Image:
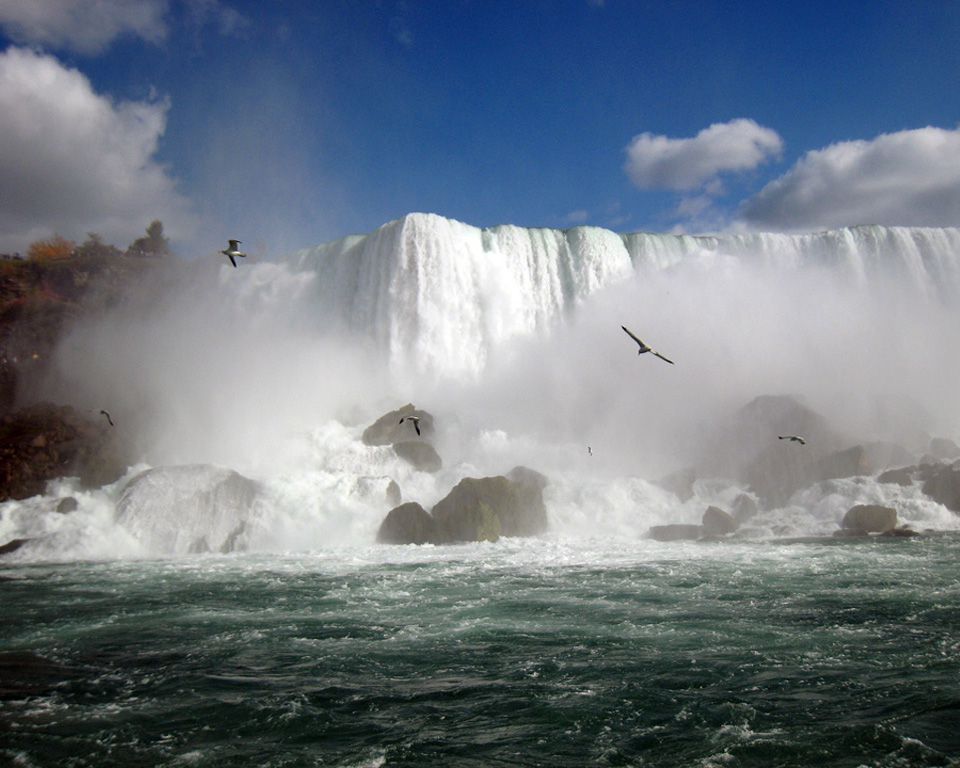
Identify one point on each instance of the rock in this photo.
(680, 483)
(743, 508)
(408, 524)
(901, 532)
(675, 532)
(394, 497)
(943, 485)
(388, 430)
(901, 476)
(850, 533)
(870, 518)
(12, 546)
(419, 455)
(486, 508)
(717, 522)
(186, 509)
(43, 442)
(942, 448)
(66, 505)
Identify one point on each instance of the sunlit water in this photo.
(550, 652)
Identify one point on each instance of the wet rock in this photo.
(870, 518)
(486, 508)
(388, 430)
(675, 532)
(67, 505)
(408, 524)
(43, 442)
(942, 484)
(394, 497)
(900, 532)
(191, 508)
(900, 476)
(718, 522)
(12, 546)
(943, 448)
(419, 455)
(744, 507)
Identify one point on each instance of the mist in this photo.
(234, 367)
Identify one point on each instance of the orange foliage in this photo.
(53, 249)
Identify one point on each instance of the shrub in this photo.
(52, 249)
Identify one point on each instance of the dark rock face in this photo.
(743, 508)
(901, 476)
(717, 522)
(675, 532)
(388, 430)
(870, 518)
(43, 442)
(12, 546)
(477, 509)
(942, 448)
(408, 524)
(67, 505)
(680, 483)
(942, 484)
(419, 455)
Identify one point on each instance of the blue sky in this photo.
(287, 124)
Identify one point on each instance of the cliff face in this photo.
(38, 301)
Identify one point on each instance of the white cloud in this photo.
(659, 162)
(73, 161)
(909, 178)
(579, 216)
(85, 26)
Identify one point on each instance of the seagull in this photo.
(109, 420)
(414, 419)
(643, 347)
(792, 438)
(590, 450)
(232, 250)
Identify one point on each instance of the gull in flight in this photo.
(109, 420)
(792, 438)
(643, 347)
(232, 250)
(414, 419)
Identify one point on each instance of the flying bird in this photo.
(792, 438)
(232, 250)
(589, 450)
(109, 420)
(645, 348)
(414, 419)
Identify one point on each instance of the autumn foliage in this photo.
(52, 249)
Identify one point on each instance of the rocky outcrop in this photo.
(188, 509)
(743, 508)
(680, 483)
(388, 430)
(870, 518)
(43, 442)
(675, 532)
(408, 524)
(943, 448)
(476, 509)
(942, 484)
(12, 546)
(718, 522)
(419, 455)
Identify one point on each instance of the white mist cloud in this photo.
(84, 26)
(74, 161)
(660, 162)
(908, 178)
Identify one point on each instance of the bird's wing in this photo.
(416, 426)
(662, 357)
(402, 420)
(232, 260)
(632, 336)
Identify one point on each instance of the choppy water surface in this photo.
(529, 652)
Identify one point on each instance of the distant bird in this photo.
(232, 250)
(792, 438)
(414, 419)
(590, 450)
(109, 420)
(643, 347)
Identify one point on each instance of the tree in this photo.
(51, 249)
(94, 247)
(154, 244)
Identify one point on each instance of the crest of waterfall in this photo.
(438, 296)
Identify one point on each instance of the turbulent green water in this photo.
(521, 653)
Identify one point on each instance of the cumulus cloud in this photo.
(909, 178)
(84, 26)
(73, 161)
(659, 162)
